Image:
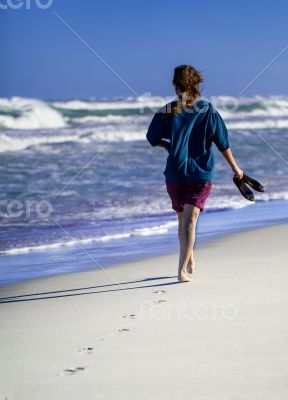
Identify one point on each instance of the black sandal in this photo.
(244, 190)
(253, 183)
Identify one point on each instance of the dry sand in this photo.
(132, 332)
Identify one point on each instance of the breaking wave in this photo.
(27, 114)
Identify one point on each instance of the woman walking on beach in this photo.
(191, 124)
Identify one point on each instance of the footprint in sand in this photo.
(123, 330)
(85, 350)
(159, 291)
(131, 316)
(71, 371)
(116, 330)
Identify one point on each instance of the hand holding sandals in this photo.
(238, 172)
(240, 179)
(243, 188)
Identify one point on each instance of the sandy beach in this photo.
(131, 331)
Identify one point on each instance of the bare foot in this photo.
(183, 277)
(191, 266)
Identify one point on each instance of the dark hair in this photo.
(186, 80)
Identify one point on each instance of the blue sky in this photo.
(229, 42)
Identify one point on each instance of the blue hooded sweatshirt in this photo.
(191, 133)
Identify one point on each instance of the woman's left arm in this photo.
(221, 139)
(231, 161)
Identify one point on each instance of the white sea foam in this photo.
(239, 113)
(116, 134)
(128, 103)
(15, 143)
(154, 230)
(92, 119)
(214, 203)
(254, 106)
(17, 140)
(258, 124)
(29, 114)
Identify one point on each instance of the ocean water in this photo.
(80, 173)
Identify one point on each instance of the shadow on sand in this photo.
(56, 294)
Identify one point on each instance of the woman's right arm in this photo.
(157, 131)
(165, 145)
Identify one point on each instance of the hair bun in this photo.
(187, 79)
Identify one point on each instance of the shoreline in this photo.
(219, 225)
(199, 246)
(97, 331)
(129, 265)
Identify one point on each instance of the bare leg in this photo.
(191, 262)
(189, 221)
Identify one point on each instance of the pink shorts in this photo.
(188, 193)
